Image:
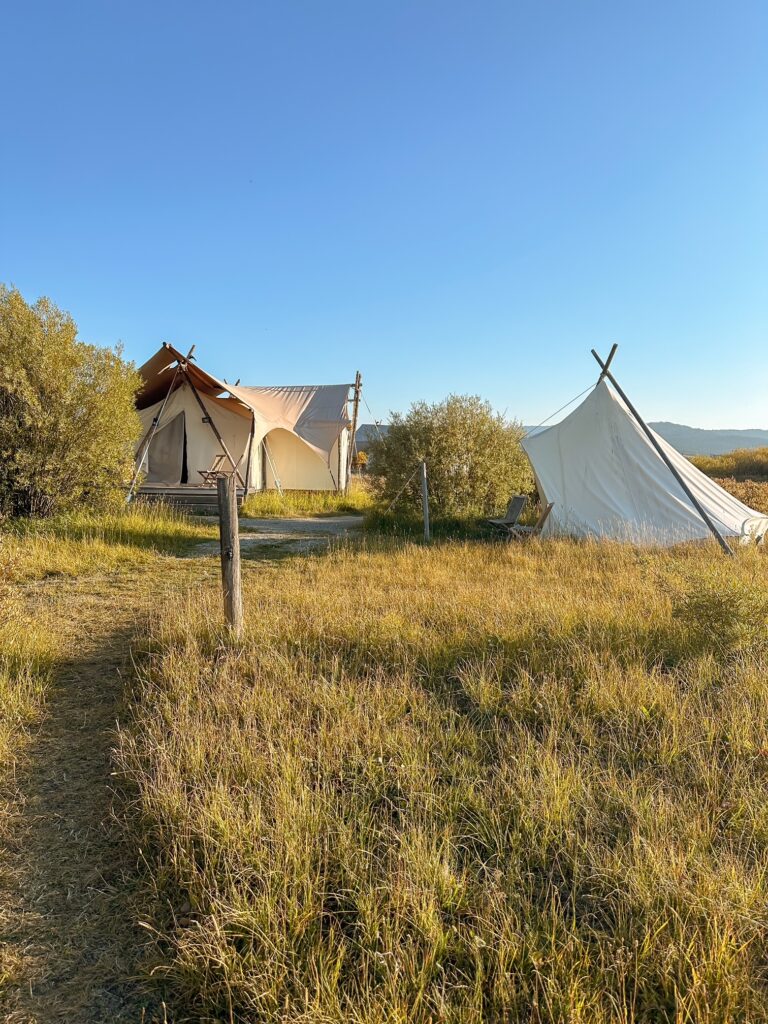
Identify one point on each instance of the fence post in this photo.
(425, 499)
(229, 538)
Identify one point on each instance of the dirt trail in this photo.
(69, 921)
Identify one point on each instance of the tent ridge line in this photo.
(660, 451)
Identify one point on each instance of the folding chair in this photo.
(514, 510)
(524, 532)
(210, 476)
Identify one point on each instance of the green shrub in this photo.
(473, 455)
(68, 423)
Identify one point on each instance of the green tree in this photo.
(68, 423)
(473, 455)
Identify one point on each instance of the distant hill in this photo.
(687, 440)
(695, 441)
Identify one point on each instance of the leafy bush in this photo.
(68, 424)
(473, 455)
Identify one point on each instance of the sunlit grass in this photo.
(268, 504)
(474, 783)
(742, 464)
(751, 492)
(85, 542)
(31, 631)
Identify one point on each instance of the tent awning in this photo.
(315, 413)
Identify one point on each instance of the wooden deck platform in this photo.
(200, 498)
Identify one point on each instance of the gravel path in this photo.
(291, 536)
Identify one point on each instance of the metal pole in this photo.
(230, 554)
(661, 453)
(425, 500)
(275, 477)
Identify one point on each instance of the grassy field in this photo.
(466, 783)
(268, 504)
(36, 636)
(742, 464)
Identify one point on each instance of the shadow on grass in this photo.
(71, 911)
(155, 528)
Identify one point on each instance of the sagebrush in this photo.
(68, 423)
(475, 462)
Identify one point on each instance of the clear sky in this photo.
(453, 197)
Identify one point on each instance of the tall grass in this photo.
(86, 542)
(475, 783)
(752, 492)
(31, 628)
(268, 504)
(741, 464)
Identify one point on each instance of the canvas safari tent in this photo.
(607, 478)
(289, 438)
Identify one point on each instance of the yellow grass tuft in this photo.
(268, 504)
(742, 464)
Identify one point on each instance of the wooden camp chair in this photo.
(210, 476)
(514, 510)
(525, 532)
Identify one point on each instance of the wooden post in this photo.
(425, 500)
(230, 554)
(358, 386)
(661, 453)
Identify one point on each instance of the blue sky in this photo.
(453, 197)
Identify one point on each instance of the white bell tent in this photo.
(609, 475)
(289, 438)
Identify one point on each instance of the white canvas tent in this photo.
(285, 437)
(606, 479)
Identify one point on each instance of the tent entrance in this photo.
(167, 455)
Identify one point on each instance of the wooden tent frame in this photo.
(183, 367)
(606, 372)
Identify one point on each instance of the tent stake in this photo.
(660, 451)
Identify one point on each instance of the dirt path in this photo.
(288, 536)
(68, 915)
(68, 919)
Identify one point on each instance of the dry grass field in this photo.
(268, 504)
(742, 464)
(71, 591)
(467, 782)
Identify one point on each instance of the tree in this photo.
(68, 422)
(473, 455)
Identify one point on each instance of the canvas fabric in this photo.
(304, 427)
(606, 479)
